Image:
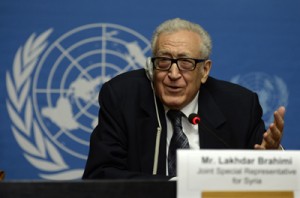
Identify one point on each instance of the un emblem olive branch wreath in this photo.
(38, 150)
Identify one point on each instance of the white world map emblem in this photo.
(271, 90)
(54, 93)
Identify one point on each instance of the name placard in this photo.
(237, 171)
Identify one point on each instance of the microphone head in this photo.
(194, 118)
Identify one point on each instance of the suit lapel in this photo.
(211, 117)
(147, 131)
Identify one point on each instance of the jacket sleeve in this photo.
(257, 126)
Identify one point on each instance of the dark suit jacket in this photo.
(122, 145)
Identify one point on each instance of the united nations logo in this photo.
(53, 91)
(271, 90)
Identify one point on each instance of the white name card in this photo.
(236, 170)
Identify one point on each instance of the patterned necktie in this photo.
(178, 140)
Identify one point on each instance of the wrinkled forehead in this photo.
(178, 44)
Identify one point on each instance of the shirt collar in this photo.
(191, 107)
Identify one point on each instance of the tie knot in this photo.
(175, 117)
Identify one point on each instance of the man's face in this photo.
(177, 88)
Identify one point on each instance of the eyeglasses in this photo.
(183, 64)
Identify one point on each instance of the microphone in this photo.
(195, 119)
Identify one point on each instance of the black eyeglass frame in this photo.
(175, 60)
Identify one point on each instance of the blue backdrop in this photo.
(55, 55)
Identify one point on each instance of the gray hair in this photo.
(174, 25)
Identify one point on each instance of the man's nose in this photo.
(174, 71)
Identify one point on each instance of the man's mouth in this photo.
(173, 88)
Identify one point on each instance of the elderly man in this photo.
(144, 114)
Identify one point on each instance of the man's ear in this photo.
(206, 69)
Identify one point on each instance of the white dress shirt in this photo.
(190, 130)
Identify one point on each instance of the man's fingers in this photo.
(275, 133)
(272, 137)
(258, 147)
(281, 111)
(278, 120)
